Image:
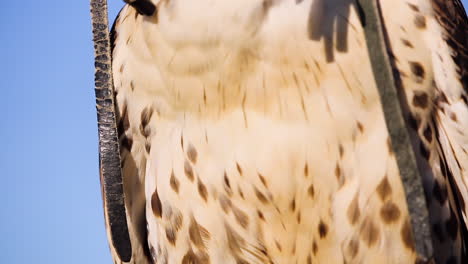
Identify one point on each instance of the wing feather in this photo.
(451, 108)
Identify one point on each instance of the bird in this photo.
(252, 131)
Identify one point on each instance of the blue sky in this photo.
(51, 196)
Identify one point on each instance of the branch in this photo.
(109, 152)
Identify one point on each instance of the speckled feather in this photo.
(251, 131)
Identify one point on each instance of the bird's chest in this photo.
(249, 135)
(246, 173)
(263, 56)
(255, 103)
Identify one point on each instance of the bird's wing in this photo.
(451, 105)
(430, 55)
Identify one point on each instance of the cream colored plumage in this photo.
(252, 132)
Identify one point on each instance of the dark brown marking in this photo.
(306, 170)
(369, 232)
(156, 204)
(360, 127)
(309, 259)
(145, 117)
(413, 7)
(420, 99)
(407, 235)
(384, 190)
(260, 215)
(453, 116)
(241, 217)
(148, 147)
(204, 95)
(418, 70)
(260, 196)
(298, 217)
(338, 171)
(441, 98)
(192, 153)
(226, 180)
(202, 190)
(225, 203)
(262, 179)
(278, 245)
(322, 229)
(177, 221)
(407, 43)
(420, 21)
(198, 234)
(266, 5)
(311, 191)
(428, 134)
(126, 143)
(235, 241)
(239, 169)
(314, 248)
(389, 146)
(353, 211)
(227, 184)
(174, 182)
(389, 212)
(339, 175)
(341, 150)
(171, 236)
(317, 64)
(241, 193)
(190, 258)
(124, 122)
(292, 206)
(188, 170)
